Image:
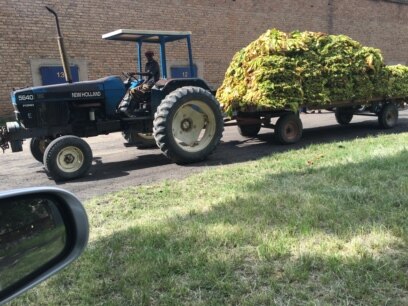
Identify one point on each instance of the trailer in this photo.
(182, 117)
(288, 127)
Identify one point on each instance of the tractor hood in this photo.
(80, 91)
(107, 91)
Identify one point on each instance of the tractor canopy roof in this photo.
(154, 37)
(149, 36)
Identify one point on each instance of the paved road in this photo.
(115, 166)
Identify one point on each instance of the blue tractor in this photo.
(180, 116)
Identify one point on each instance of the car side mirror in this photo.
(42, 230)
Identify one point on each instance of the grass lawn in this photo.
(323, 225)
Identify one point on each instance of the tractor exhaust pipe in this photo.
(63, 54)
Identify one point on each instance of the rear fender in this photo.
(163, 87)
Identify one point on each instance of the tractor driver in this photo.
(152, 71)
(152, 68)
(141, 93)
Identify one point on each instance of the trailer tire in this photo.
(249, 130)
(67, 157)
(188, 124)
(38, 146)
(288, 129)
(388, 116)
(343, 115)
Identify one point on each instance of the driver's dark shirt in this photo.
(153, 67)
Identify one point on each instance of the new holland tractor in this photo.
(180, 116)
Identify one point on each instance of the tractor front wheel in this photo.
(67, 157)
(188, 125)
(38, 146)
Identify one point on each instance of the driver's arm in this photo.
(138, 73)
(152, 68)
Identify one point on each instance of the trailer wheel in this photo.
(289, 129)
(38, 146)
(388, 116)
(249, 130)
(343, 115)
(188, 125)
(139, 140)
(67, 157)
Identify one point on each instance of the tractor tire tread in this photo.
(51, 153)
(163, 134)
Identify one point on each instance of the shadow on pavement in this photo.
(237, 151)
(105, 171)
(265, 144)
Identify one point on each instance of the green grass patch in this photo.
(322, 225)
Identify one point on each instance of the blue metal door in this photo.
(183, 72)
(55, 74)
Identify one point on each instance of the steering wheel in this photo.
(129, 75)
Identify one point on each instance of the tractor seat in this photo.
(161, 83)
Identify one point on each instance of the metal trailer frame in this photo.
(247, 116)
(288, 128)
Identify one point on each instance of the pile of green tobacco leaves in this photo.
(287, 70)
(397, 80)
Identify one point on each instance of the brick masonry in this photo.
(219, 29)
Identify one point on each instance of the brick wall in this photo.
(219, 29)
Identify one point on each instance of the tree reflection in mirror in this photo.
(32, 234)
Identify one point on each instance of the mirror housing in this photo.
(42, 230)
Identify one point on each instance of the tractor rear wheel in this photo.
(188, 125)
(289, 129)
(388, 116)
(38, 146)
(67, 157)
